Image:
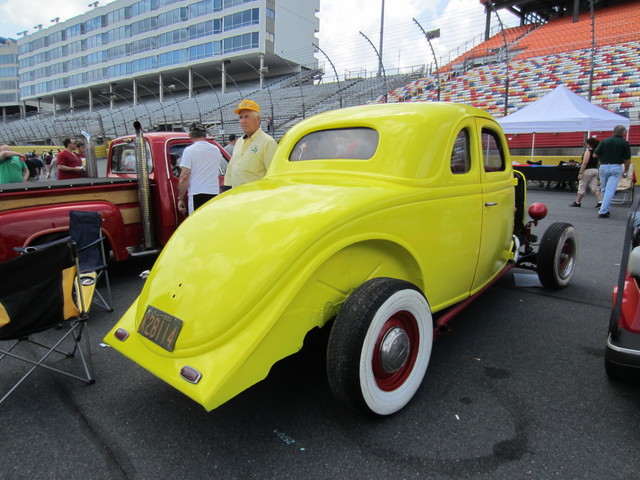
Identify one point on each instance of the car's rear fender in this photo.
(307, 300)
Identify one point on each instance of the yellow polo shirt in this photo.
(251, 158)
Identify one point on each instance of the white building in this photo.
(9, 95)
(140, 48)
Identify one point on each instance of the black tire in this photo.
(557, 255)
(379, 346)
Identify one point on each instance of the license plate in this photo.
(160, 327)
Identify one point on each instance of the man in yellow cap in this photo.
(253, 152)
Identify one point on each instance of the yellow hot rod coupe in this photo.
(380, 221)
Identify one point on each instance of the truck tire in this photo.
(379, 346)
(557, 255)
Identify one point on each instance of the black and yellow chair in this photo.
(44, 302)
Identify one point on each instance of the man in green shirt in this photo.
(12, 168)
(614, 156)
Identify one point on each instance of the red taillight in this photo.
(190, 374)
(121, 334)
(538, 211)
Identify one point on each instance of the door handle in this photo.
(490, 204)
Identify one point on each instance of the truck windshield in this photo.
(123, 158)
(340, 143)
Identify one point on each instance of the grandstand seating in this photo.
(540, 58)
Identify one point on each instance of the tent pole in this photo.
(533, 142)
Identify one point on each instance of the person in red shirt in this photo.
(69, 163)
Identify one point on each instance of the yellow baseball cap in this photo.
(247, 105)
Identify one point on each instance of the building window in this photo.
(172, 58)
(74, 31)
(9, 72)
(94, 23)
(119, 70)
(203, 7)
(143, 26)
(204, 50)
(241, 19)
(143, 64)
(171, 38)
(172, 17)
(240, 42)
(205, 28)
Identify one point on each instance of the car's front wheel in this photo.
(557, 255)
(380, 345)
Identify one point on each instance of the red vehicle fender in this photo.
(34, 225)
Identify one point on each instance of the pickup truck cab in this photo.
(380, 222)
(34, 213)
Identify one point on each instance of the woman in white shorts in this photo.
(588, 174)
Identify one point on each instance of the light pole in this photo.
(304, 109)
(380, 67)
(227, 74)
(430, 35)
(273, 116)
(124, 120)
(506, 59)
(593, 49)
(113, 122)
(192, 96)
(335, 72)
(384, 73)
(144, 105)
(171, 88)
(98, 116)
(164, 114)
(213, 90)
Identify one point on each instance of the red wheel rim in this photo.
(386, 381)
(566, 258)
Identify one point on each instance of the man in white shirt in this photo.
(199, 176)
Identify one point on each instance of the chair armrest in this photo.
(89, 245)
(35, 248)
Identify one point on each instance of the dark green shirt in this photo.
(613, 150)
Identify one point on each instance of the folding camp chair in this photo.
(626, 186)
(85, 229)
(44, 291)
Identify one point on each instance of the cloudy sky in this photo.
(341, 21)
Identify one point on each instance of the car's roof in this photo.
(410, 135)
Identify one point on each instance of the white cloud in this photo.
(19, 15)
(340, 24)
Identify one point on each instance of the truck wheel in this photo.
(557, 255)
(379, 346)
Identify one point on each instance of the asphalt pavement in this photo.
(517, 390)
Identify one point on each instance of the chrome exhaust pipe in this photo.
(144, 190)
(92, 161)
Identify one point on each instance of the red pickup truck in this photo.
(136, 220)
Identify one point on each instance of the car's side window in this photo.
(492, 152)
(461, 155)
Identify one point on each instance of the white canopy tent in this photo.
(561, 110)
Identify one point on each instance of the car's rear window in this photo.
(339, 143)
